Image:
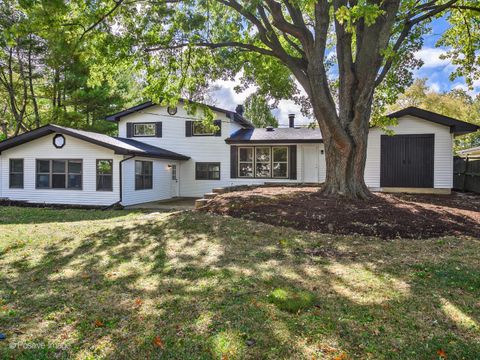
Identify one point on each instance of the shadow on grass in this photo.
(197, 286)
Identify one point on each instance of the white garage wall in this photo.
(74, 149)
(443, 157)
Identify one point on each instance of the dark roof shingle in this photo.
(275, 135)
(119, 145)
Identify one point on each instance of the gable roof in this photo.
(457, 127)
(230, 114)
(275, 135)
(121, 146)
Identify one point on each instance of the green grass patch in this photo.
(291, 300)
(131, 285)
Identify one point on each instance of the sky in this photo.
(436, 70)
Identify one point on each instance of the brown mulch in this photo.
(383, 215)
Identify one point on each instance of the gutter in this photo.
(120, 182)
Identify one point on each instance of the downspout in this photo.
(120, 182)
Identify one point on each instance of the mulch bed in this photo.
(383, 215)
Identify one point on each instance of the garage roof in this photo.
(457, 127)
(119, 145)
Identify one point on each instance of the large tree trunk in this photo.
(345, 136)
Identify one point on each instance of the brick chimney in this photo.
(291, 120)
(240, 109)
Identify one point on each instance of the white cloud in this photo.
(435, 87)
(226, 97)
(431, 57)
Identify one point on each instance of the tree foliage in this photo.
(259, 111)
(45, 73)
(456, 103)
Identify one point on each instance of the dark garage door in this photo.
(407, 161)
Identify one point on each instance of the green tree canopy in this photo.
(259, 112)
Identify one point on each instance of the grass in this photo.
(117, 285)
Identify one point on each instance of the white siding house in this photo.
(163, 153)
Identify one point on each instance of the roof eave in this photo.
(276, 141)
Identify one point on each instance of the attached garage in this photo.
(407, 161)
(418, 157)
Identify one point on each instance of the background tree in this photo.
(46, 68)
(456, 103)
(259, 111)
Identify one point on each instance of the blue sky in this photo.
(436, 70)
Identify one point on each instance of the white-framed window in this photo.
(200, 129)
(59, 174)
(280, 161)
(263, 162)
(144, 129)
(245, 162)
(16, 174)
(143, 175)
(207, 171)
(105, 175)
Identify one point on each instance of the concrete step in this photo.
(200, 202)
(210, 195)
(219, 191)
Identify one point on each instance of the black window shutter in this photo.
(129, 130)
(218, 124)
(188, 128)
(158, 129)
(293, 161)
(233, 161)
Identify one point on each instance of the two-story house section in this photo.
(163, 152)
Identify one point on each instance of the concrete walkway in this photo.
(166, 205)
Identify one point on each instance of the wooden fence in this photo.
(466, 174)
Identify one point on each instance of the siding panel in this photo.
(74, 149)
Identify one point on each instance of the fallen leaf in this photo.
(138, 302)
(442, 353)
(157, 341)
(98, 323)
(342, 356)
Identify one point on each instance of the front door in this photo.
(310, 163)
(174, 184)
(407, 161)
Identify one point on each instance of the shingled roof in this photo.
(275, 135)
(121, 146)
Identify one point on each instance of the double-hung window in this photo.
(263, 162)
(245, 163)
(280, 162)
(16, 174)
(104, 175)
(144, 129)
(143, 175)
(199, 128)
(59, 174)
(207, 171)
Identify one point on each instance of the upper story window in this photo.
(145, 129)
(200, 129)
(16, 173)
(59, 174)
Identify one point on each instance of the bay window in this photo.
(263, 162)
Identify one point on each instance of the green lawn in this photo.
(110, 284)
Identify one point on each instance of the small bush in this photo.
(291, 300)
